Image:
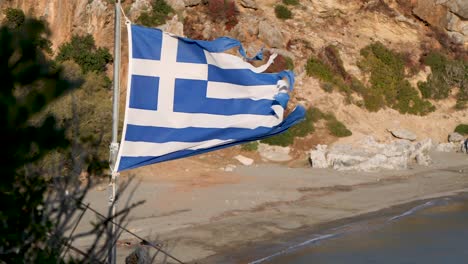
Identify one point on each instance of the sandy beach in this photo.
(205, 215)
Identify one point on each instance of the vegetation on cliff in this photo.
(447, 73)
(157, 15)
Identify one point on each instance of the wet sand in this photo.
(214, 216)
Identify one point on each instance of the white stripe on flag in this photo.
(228, 61)
(139, 149)
(193, 71)
(232, 91)
(182, 120)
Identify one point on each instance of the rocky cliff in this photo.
(402, 25)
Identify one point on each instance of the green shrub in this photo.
(462, 129)
(251, 146)
(327, 75)
(446, 74)
(388, 84)
(83, 51)
(319, 70)
(158, 14)
(291, 2)
(14, 18)
(337, 128)
(282, 12)
(299, 130)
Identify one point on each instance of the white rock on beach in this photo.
(455, 137)
(274, 153)
(244, 160)
(445, 147)
(229, 168)
(421, 152)
(403, 134)
(317, 157)
(370, 155)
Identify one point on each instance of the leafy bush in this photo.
(337, 128)
(299, 130)
(83, 51)
(326, 73)
(446, 74)
(158, 14)
(92, 118)
(29, 83)
(14, 17)
(388, 84)
(462, 129)
(291, 2)
(251, 146)
(282, 12)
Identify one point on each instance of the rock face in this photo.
(371, 155)
(455, 137)
(270, 35)
(403, 134)
(451, 15)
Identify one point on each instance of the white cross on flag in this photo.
(186, 97)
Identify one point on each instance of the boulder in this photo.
(249, 4)
(421, 152)
(274, 153)
(192, 2)
(423, 159)
(244, 160)
(403, 134)
(317, 157)
(370, 155)
(177, 5)
(455, 137)
(445, 147)
(270, 35)
(174, 26)
(229, 168)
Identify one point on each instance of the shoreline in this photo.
(210, 216)
(307, 236)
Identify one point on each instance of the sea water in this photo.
(434, 231)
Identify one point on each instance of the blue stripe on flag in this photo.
(134, 162)
(144, 92)
(190, 52)
(241, 76)
(146, 43)
(190, 97)
(189, 134)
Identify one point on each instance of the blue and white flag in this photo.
(187, 97)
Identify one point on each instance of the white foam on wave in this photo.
(412, 210)
(282, 252)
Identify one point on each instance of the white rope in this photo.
(127, 21)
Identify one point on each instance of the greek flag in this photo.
(186, 97)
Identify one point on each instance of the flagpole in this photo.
(114, 147)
